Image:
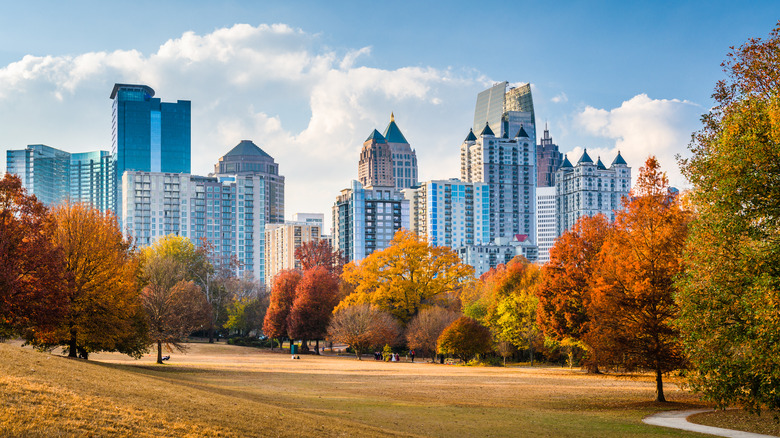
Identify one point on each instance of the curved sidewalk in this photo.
(679, 420)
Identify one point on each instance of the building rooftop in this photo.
(393, 133)
(487, 130)
(376, 136)
(246, 149)
(471, 136)
(585, 158)
(145, 88)
(521, 133)
(619, 160)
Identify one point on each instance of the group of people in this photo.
(394, 357)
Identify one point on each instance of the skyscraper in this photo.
(93, 179)
(375, 168)
(44, 172)
(590, 188)
(548, 160)
(508, 167)
(149, 135)
(403, 156)
(506, 110)
(246, 158)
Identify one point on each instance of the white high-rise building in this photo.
(281, 241)
(508, 167)
(589, 188)
(450, 212)
(546, 223)
(227, 211)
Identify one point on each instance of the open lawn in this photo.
(221, 390)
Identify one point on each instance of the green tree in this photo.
(464, 339)
(405, 277)
(730, 293)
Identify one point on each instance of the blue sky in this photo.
(308, 81)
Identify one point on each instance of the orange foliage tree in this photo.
(102, 271)
(464, 339)
(320, 253)
(281, 301)
(565, 290)
(315, 297)
(31, 297)
(633, 305)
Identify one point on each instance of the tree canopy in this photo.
(362, 326)
(732, 254)
(406, 276)
(464, 339)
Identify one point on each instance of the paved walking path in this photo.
(679, 420)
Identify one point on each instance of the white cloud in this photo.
(641, 127)
(560, 98)
(308, 106)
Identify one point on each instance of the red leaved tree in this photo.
(32, 298)
(281, 301)
(320, 253)
(565, 290)
(315, 297)
(633, 305)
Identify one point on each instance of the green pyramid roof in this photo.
(521, 133)
(246, 147)
(566, 163)
(600, 165)
(487, 130)
(377, 137)
(585, 158)
(619, 160)
(471, 136)
(393, 134)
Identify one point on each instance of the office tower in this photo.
(149, 135)
(403, 156)
(546, 223)
(93, 179)
(365, 219)
(281, 241)
(375, 168)
(506, 110)
(227, 211)
(44, 172)
(247, 158)
(508, 167)
(486, 256)
(548, 160)
(590, 188)
(450, 212)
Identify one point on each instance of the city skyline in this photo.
(308, 88)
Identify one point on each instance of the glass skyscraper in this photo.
(149, 135)
(92, 179)
(505, 111)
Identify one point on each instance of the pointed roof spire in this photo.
(393, 132)
(566, 163)
(521, 133)
(471, 136)
(585, 158)
(506, 135)
(619, 160)
(600, 165)
(376, 136)
(246, 148)
(487, 130)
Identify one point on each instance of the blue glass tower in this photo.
(149, 135)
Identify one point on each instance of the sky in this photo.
(308, 81)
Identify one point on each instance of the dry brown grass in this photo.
(220, 390)
(739, 420)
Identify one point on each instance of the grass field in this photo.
(221, 390)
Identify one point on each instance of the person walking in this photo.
(411, 355)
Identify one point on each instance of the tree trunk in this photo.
(357, 353)
(317, 346)
(570, 355)
(304, 346)
(211, 333)
(159, 352)
(72, 350)
(659, 385)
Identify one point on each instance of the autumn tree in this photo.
(565, 285)
(464, 339)
(363, 326)
(730, 293)
(320, 253)
(31, 297)
(245, 315)
(174, 306)
(424, 329)
(315, 297)
(405, 277)
(101, 269)
(281, 301)
(633, 306)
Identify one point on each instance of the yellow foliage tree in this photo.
(407, 276)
